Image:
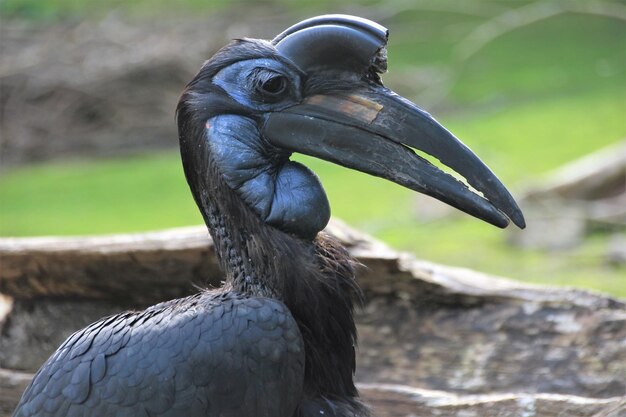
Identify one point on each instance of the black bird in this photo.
(278, 338)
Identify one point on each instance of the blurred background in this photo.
(88, 142)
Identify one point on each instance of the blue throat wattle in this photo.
(285, 194)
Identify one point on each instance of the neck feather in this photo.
(313, 277)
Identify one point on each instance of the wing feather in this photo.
(205, 355)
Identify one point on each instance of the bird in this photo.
(278, 338)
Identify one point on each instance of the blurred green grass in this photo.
(529, 101)
(54, 10)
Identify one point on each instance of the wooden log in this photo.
(596, 176)
(583, 196)
(423, 325)
(12, 384)
(134, 270)
(403, 401)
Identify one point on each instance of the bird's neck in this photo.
(314, 278)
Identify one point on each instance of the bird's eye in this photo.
(274, 85)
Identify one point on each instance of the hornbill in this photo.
(278, 338)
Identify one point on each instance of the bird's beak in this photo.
(373, 130)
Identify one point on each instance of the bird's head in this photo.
(315, 89)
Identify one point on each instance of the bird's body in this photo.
(278, 339)
(241, 350)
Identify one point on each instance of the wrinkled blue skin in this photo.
(285, 194)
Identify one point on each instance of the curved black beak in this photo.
(373, 130)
